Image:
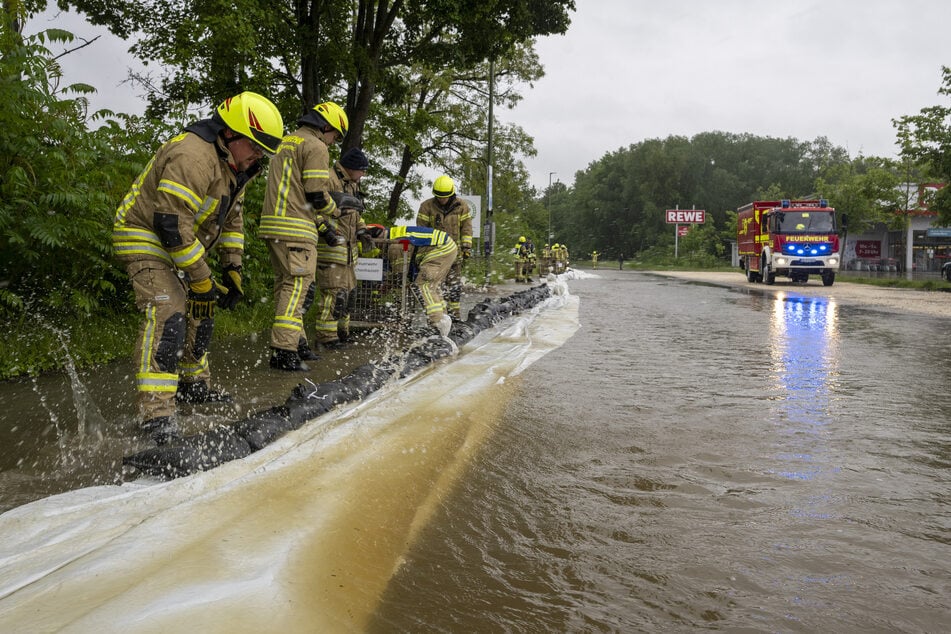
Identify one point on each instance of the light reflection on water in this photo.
(804, 343)
(698, 458)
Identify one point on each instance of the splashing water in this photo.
(91, 421)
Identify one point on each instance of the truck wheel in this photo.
(828, 277)
(750, 274)
(769, 277)
(947, 273)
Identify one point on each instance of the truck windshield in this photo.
(804, 222)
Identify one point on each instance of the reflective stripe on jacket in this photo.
(455, 219)
(191, 181)
(431, 243)
(300, 167)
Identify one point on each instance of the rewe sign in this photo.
(685, 216)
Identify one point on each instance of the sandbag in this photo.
(199, 452)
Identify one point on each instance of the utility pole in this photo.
(548, 241)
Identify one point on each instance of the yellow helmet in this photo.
(334, 116)
(444, 187)
(554, 246)
(255, 117)
(521, 238)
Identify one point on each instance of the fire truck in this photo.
(794, 238)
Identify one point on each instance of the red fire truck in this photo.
(794, 238)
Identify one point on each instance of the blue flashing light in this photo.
(823, 202)
(790, 247)
(785, 203)
(823, 247)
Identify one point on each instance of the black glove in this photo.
(330, 236)
(466, 253)
(201, 299)
(364, 237)
(376, 232)
(230, 292)
(346, 201)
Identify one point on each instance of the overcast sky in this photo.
(629, 70)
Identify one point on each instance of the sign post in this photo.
(680, 216)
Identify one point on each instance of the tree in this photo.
(368, 53)
(925, 139)
(59, 183)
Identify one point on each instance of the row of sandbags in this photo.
(233, 441)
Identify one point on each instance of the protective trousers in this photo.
(170, 343)
(520, 273)
(294, 266)
(432, 273)
(453, 286)
(335, 283)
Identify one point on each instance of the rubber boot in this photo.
(444, 325)
(287, 360)
(199, 392)
(304, 351)
(162, 430)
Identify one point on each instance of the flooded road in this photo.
(693, 457)
(702, 457)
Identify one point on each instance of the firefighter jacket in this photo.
(346, 222)
(521, 252)
(455, 219)
(298, 199)
(186, 200)
(429, 243)
(343, 183)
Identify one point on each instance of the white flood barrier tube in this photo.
(301, 535)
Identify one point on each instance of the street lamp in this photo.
(550, 174)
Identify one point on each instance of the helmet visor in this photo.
(265, 140)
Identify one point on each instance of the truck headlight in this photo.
(780, 261)
(833, 260)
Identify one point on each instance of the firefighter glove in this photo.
(364, 237)
(346, 201)
(230, 292)
(201, 299)
(466, 253)
(376, 232)
(330, 236)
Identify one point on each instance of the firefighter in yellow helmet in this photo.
(447, 212)
(337, 264)
(521, 260)
(594, 259)
(297, 204)
(431, 253)
(185, 202)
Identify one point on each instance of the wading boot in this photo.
(199, 392)
(305, 353)
(287, 360)
(162, 429)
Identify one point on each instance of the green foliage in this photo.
(59, 184)
(925, 139)
(617, 204)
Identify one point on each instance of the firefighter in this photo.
(449, 213)
(297, 204)
(336, 271)
(348, 171)
(563, 257)
(185, 202)
(544, 264)
(521, 260)
(532, 261)
(556, 258)
(432, 254)
(337, 264)
(594, 259)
